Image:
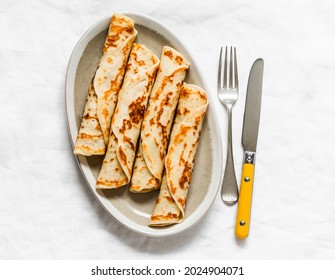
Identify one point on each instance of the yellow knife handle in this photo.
(244, 202)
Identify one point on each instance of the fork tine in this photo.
(235, 64)
(231, 68)
(225, 70)
(220, 81)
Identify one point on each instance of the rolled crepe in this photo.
(127, 119)
(157, 122)
(94, 130)
(179, 161)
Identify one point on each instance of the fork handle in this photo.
(229, 191)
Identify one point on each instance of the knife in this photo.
(249, 141)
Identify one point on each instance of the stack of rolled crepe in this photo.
(127, 119)
(94, 130)
(145, 106)
(179, 161)
(157, 123)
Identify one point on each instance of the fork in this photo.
(228, 93)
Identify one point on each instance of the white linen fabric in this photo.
(46, 209)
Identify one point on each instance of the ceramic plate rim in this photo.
(209, 198)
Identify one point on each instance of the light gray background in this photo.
(46, 210)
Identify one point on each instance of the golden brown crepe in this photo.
(157, 122)
(179, 161)
(94, 131)
(127, 119)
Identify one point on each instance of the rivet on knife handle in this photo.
(245, 199)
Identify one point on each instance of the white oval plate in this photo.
(134, 210)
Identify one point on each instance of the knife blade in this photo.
(249, 141)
